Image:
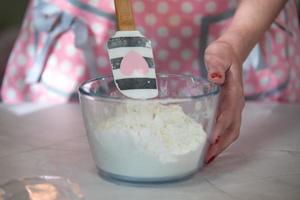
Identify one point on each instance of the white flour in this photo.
(151, 139)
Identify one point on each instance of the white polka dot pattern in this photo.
(97, 28)
(139, 6)
(174, 43)
(150, 19)
(187, 7)
(66, 65)
(102, 61)
(70, 50)
(174, 27)
(30, 50)
(174, 20)
(162, 32)
(163, 54)
(175, 65)
(11, 93)
(197, 19)
(186, 31)
(211, 7)
(52, 61)
(186, 54)
(162, 7)
(21, 59)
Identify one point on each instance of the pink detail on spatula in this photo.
(133, 62)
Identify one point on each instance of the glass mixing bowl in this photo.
(153, 140)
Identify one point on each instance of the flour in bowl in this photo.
(148, 140)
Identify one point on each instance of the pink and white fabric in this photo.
(63, 42)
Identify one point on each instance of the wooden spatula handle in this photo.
(124, 14)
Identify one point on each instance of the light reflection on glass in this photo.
(42, 192)
(40, 188)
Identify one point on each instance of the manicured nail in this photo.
(210, 160)
(216, 75)
(217, 140)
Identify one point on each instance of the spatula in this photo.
(131, 56)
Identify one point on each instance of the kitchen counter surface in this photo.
(263, 164)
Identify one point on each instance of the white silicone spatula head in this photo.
(131, 56)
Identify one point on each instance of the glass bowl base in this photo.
(143, 181)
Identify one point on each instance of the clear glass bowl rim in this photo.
(85, 94)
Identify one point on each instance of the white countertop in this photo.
(263, 164)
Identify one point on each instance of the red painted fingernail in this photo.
(210, 160)
(217, 140)
(216, 75)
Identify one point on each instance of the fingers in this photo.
(228, 121)
(224, 141)
(224, 69)
(227, 108)
(223, 135)
(227, 131)
(224, 120)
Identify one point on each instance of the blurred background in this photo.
(11, 15)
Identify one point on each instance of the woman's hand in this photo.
(225, 69)
(224, 59)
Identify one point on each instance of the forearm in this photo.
(251, 20)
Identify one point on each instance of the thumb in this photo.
(217, 62)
